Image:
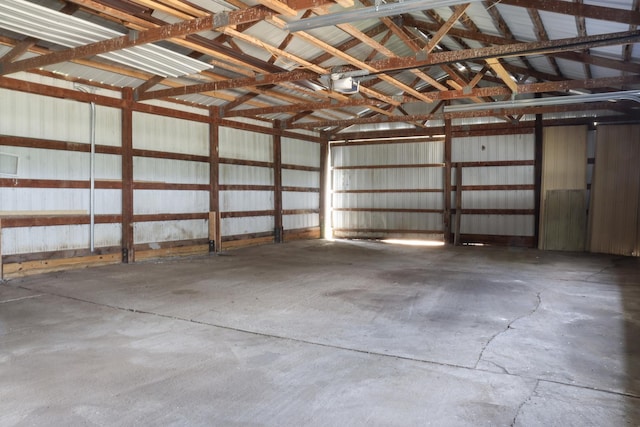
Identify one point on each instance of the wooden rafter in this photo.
(624, 16)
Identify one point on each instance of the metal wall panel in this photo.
(245, 175)
(615, 200)
(152, 132)
(170, 171)
(388, 154)
(296, 178)
(298, 152)
(500, 148)
(300, 200)
(361, 171)
(395, 178)
(389, 200)
(34, 163)
(42, 239)
(244, 145)
(170, 201)
(391, 221)
(292, 222)
(241, 201)
(489, 148)
(239, 226)
(564, 167)
(59, 199)
(164, 231)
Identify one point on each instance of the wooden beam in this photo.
(127, 177)
(602, 13)
(539, 134)
(436, 58)
(280, 7)
(313, 106)
(459, 211)
(151, 35)
(277, 188)
(541, 33)
(365, 120)
(496, 66)
(448, 139)
(18, 50)
(214, 181)
(439, 35)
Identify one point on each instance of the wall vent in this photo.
(8, 164)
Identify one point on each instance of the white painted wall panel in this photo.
(501, 225)
(513, 199)
(374, 179)
(487, 148)
(241, 144)
(44, 239)
(236, 226)
(59, 199)
(298, 152)
(234, 201)
(169, 170)
(170, 201)
(387, 221)
(389, 200)
(153, 132)
(390, 154)
(36, 163)
(296, 178)
(245, 175)
(299, 200)
(498, 175)
(292, 222)
(163, 231)
(35, 116)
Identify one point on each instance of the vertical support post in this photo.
(539, 136)
(215, 239)
(277, 188)
(447, 179)
(128, 255)
(458, 203)
(324, 152)
(1, 271)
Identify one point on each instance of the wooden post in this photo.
(458, 203)
(324, 151)
(277, 188)
(447, 180)
(215, 239)
(1, 272)
(127, 177)
(539, 135)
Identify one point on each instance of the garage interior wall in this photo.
(564, 167)
(615, 201)
(45, 205)
(383, 190)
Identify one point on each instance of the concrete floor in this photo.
(327, 334)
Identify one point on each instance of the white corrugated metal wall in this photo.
(246, 182)
(498, 196)
(388, 190)
(59, 171)
(300, 184)
(170, 135)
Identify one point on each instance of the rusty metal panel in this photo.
(615, 198)
(153, 132)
